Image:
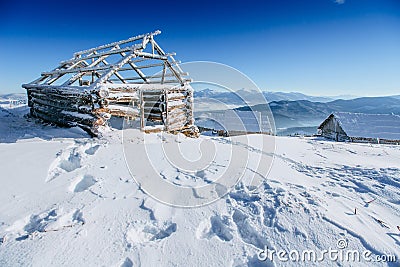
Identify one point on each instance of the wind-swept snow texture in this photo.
(71, 201)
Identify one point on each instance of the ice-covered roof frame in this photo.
(138, 59)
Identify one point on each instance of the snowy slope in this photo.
(69, 200)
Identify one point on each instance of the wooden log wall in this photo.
(170, 108)
(66, 107)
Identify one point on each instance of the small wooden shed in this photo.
(360, 127)
(132, 78)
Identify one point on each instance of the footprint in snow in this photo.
(143, 232)
(248, 232)
(127, 263)
(66, 161)
(220, 227)
(70, 159)
(92, 150)
(48, 221)
(82, 183)
(71, 162)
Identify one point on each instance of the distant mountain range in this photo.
(293, 96)
(254, 96)
(13, 96)
(295, 112)
(304, 113)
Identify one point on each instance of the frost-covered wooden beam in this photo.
(110, 73)
(171, 56)
(145, 66)
(148, 55)
(155, 76)
(134, 67)
(107, 67)
(116, 73)
(142, 67)
(106, 53)
(44, 77)
(169, 81)
(167, 63)
(151, 65)
(55, 77)
(132, 39)
(80, 74)
(87, 69)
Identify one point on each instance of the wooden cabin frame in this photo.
(330, 128)
(132, 78)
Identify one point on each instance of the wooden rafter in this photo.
(132, 39)
(100, 63)
(135, 68)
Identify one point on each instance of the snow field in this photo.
(71, 201)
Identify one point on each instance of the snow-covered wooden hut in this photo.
(360, 127)
(132, 78)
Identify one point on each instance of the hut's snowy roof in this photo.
(383, 126)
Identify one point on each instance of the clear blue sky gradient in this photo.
(317, 47)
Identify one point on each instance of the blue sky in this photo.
(318, 47)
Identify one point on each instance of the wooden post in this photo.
(142, 124)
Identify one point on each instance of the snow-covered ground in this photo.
(69, 200)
